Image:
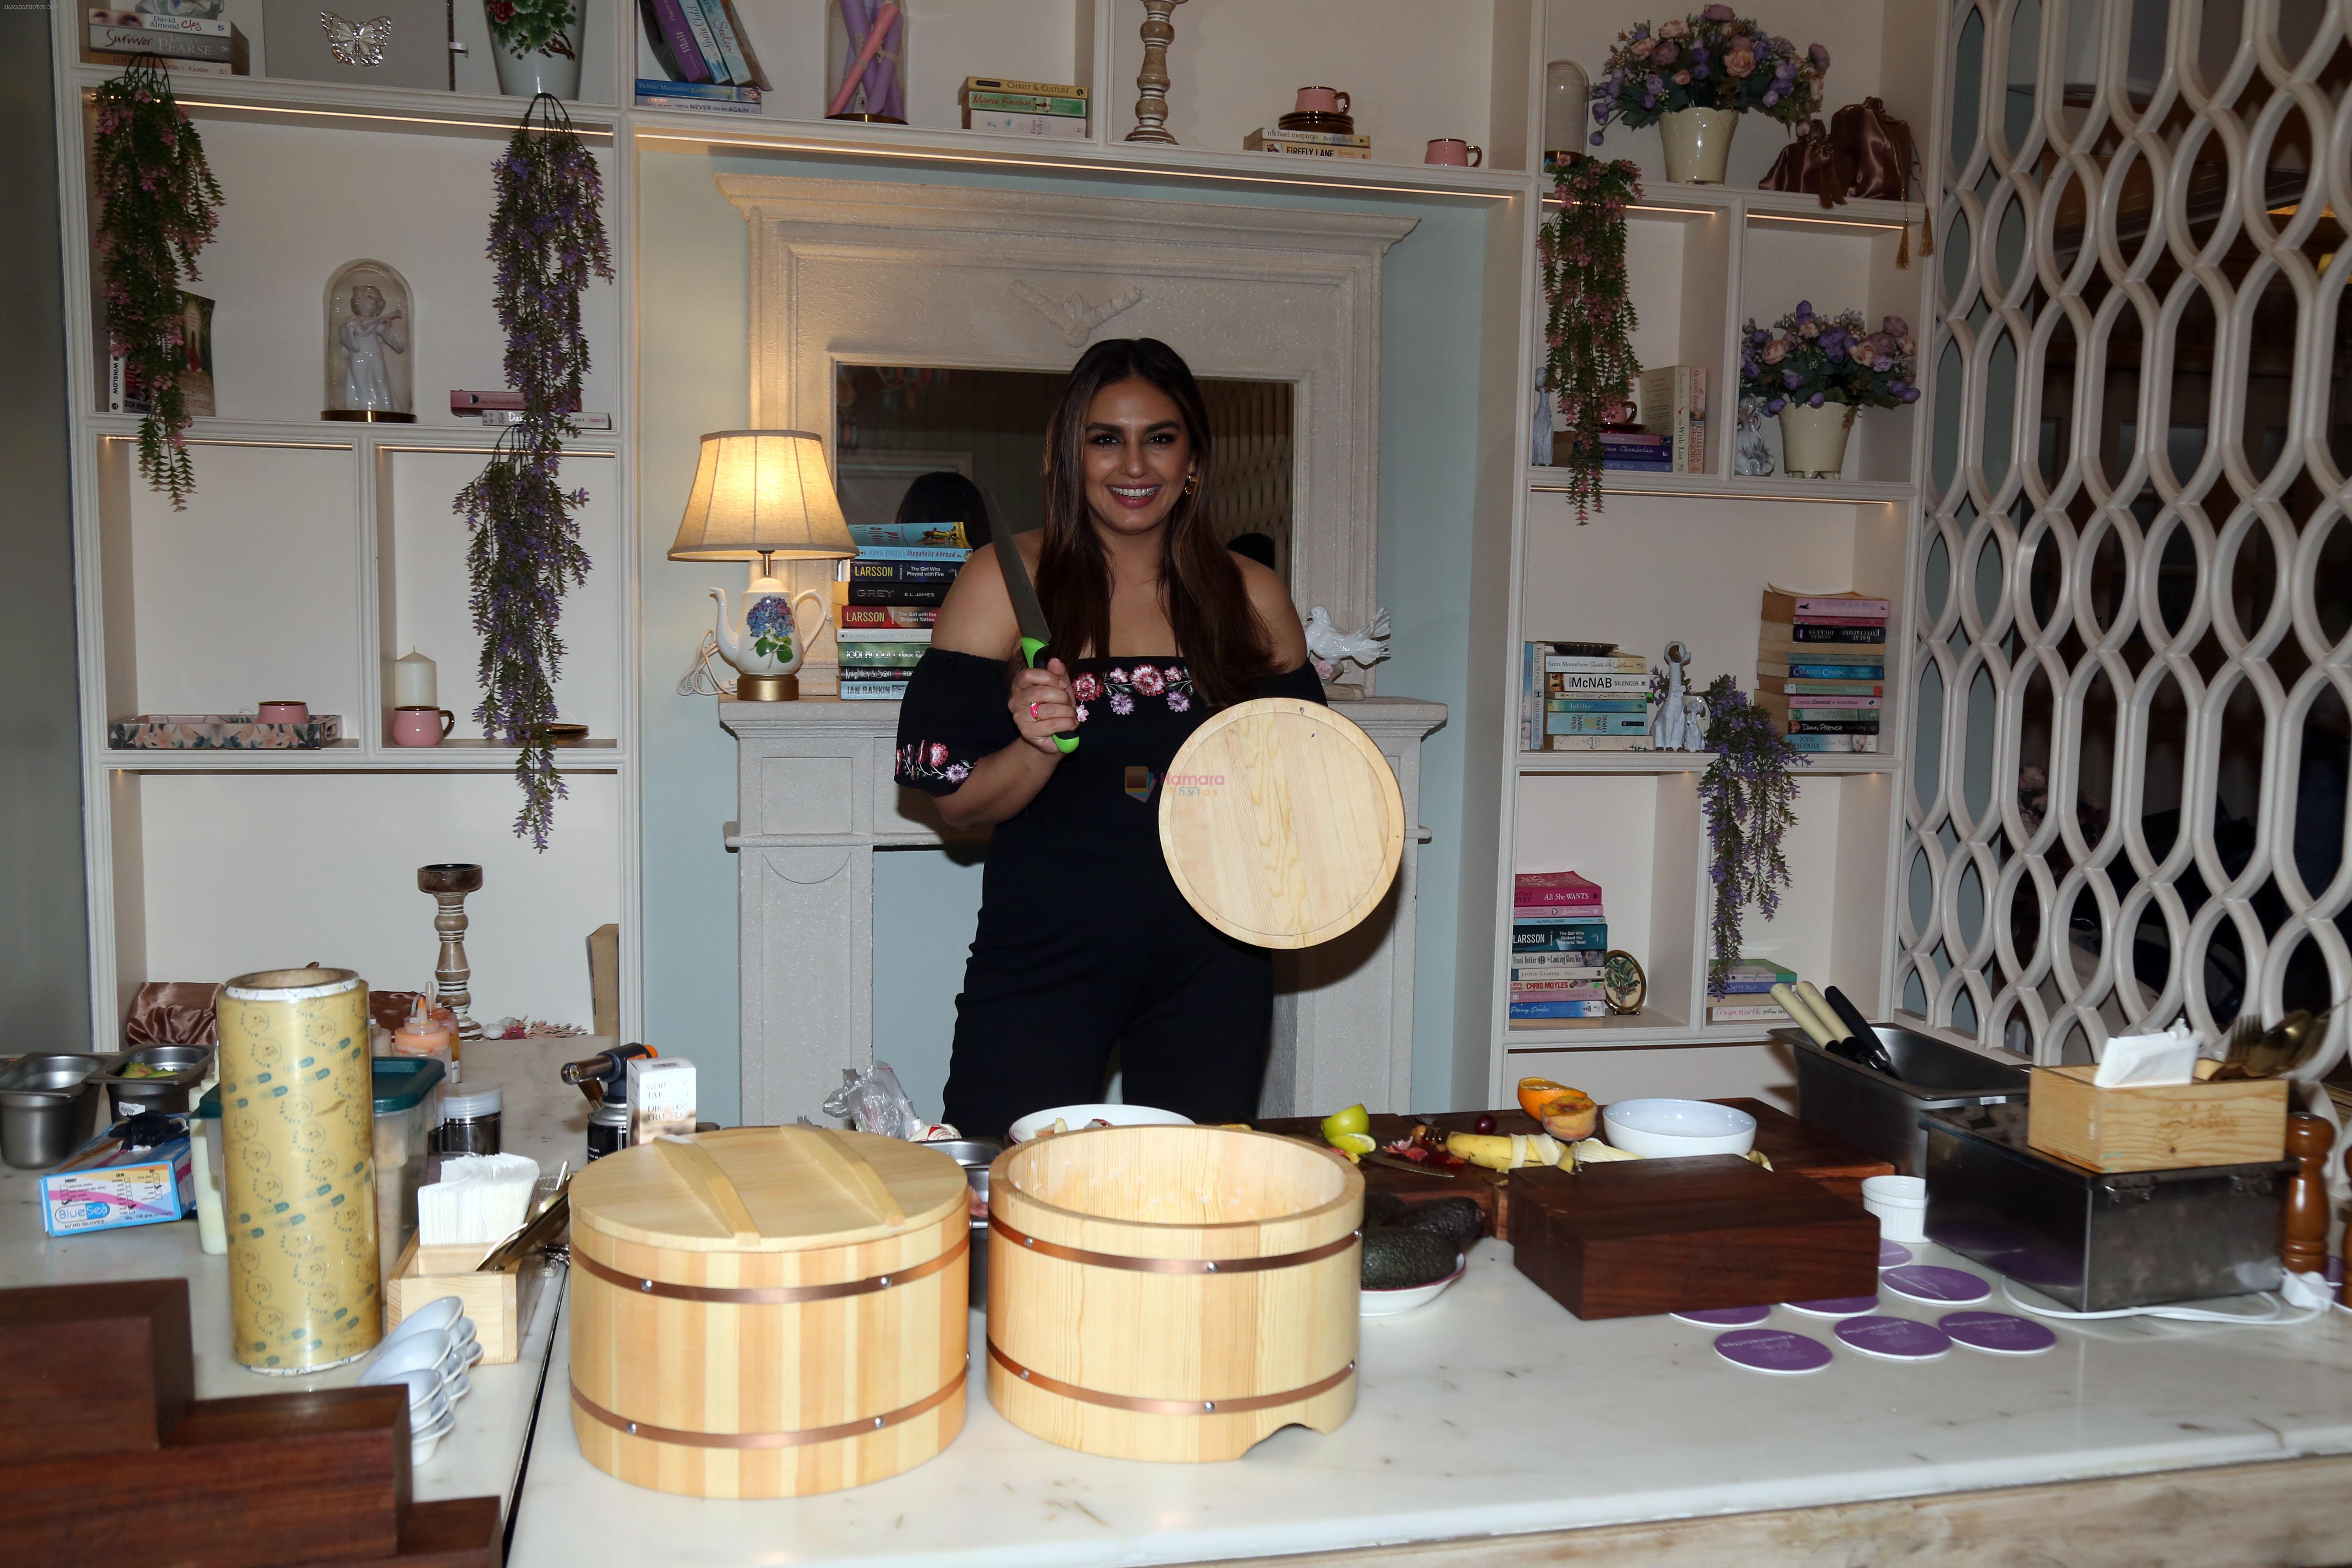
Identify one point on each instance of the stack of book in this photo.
(1674, 404)
(705, 55)
(1559, 936)
(191, 46)
(1050, 109)
(1308, 143)
(886, 599)
(1747, 993)
(1636, 452)
(1821, 668)
(1583, 697)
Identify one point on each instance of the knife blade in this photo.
(1036, 636)
(1394, 1162)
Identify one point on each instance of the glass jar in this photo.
(1566, 112)
(471, 1121)
(863, 84)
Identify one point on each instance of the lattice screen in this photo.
(2133, 579)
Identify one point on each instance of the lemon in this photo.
(1354, 1143)
(1355, 1121)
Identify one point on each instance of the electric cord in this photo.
(2274, 1316)
(702, 677)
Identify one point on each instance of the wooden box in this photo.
(1662, 1236)
(2168, 1127)
(93, 1368)
(769, 1311)
(498, 1302)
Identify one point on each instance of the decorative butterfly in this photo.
(356, 42)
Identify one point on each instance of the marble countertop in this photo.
(1493, 1412)
(542, 1118)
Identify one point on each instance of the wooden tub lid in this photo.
(766, 1189)
(1282, 823)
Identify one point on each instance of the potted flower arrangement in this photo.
(1694, 76)
(1817, 372)
(533, 43)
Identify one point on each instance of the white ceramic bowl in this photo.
(438, 1313)
(428, 1403)
(1673, 1128)
(1080, 1116)
(1389, 1303)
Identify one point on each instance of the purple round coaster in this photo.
(1726, 1317)
(1999, 1332)
(1836, 1306)
(1925, 1282)
(1894, 1339)
(1772, 1350)
(1893, 1255)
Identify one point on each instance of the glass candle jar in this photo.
(865, 60)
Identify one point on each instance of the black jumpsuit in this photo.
(1084, 941)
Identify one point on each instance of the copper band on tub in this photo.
(772, 1295)
(1202, 1266)
(653, 1434)
(1241, 1406)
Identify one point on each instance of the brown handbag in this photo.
(1884, 155)
(1813, 162)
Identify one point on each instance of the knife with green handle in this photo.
(1036, 638)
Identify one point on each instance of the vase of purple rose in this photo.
(1693, 77)
(1817, 372)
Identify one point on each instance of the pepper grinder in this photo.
(449, 884)
(2303, 1229)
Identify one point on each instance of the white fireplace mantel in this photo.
(814, 800)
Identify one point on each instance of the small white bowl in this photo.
(1080, 1116)
(1389, 1303)
(438, 1313)
(428, 1402)
(425, 1353)
(1675, 1128)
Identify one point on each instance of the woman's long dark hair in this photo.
(1200, 587)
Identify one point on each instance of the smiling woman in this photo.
(1084, 941)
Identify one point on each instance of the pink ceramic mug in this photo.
(1454, 151)
(421, 726)
(282, 712)
(1321, 100)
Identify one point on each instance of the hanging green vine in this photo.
(1588, 362)
(158, 205)
(547, 237)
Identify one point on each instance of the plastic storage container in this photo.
(404, 1139)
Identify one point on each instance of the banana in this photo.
(1505, 1151)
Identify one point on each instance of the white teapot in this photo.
(768, 646)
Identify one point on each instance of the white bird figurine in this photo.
(1328, 646)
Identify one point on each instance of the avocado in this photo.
(1382, 1208)
(1396, 1258)
(1458, 1221)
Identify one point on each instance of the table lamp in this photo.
(760, 495)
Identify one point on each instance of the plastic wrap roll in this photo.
(297, 1113)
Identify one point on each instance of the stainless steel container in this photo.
(187, 1065)
(2094, 1241)
(48, 1107)
(1874, 1114)
(975, 1155)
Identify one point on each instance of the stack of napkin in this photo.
(481, 1200)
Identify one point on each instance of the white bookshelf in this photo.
(355, 518)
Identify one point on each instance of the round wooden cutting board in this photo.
(1282, 823)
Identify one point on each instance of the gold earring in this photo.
(1193, 484)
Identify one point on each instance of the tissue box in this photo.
(499, 1302)
(101, 1187)
(2155, 1127)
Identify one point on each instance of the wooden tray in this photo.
(1664, 1235)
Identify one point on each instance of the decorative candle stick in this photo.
(2303, 1229)
(449, 884)
(1151, 82)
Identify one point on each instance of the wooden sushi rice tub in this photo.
(1172, 1293)
(768, 1311)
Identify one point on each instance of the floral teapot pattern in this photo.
(769, 640)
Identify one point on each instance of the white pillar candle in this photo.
(413, 683)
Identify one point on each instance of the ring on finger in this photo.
(1033, 710)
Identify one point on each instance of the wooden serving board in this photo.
(1789, 1144)
(1282, 823)
(1663, 1235)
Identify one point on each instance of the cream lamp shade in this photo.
(762, 493)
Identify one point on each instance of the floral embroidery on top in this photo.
(1121, 684)
(918, 761)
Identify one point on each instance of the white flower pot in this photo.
(1813, 441)
(1699, 143)
(520, 76)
